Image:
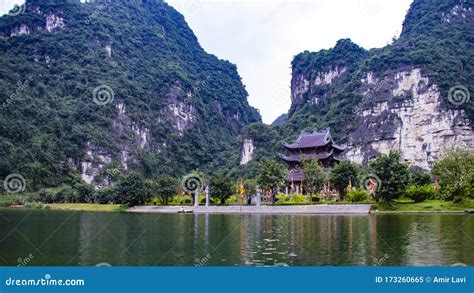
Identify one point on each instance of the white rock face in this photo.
(142, 133)
(247, 152)
(302, 84)
(328, 76)
(93, 163)
(21, 30)
(53, 21)
(183, 115)
(426, 127)
(457, 12)
(108, 49)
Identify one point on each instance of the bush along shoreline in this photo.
(387, 183)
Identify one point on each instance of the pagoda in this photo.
(312, 145)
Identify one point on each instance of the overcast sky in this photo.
(262, 36)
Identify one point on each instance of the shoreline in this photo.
(323, 209)
(320, 209)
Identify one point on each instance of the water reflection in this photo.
(81, 238)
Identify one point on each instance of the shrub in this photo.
(186, 199)
(68, 194)
(133, 190)
(44, 195)
(8, 200)
(165, 187)
(104, 195)
(393, 175)
(299, 198)
(282, 197)
(420, 193)
(315, 198)
(221, 187)
(85, 193)
(419, 178)
(357, 196)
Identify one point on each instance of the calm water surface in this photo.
(43, 237)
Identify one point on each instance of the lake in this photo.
(47, 237)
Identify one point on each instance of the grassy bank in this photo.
(90, 207)
(428, 206)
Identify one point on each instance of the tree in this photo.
(392, 173)
(165, 187)
(419, 177)
(314, 175)
(342, 173)
(221, 187)
(455, 170)
(132, 190)
(271, 176)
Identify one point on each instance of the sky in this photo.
(262, 36)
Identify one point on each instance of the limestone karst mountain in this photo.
(90, 87)
(413, 95)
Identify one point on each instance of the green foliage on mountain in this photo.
(437, 37)
(433, 38)
(46, 122)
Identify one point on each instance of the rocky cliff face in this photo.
(405, 111)
(90, 87)
(412, 96)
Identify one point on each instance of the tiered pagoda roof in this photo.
(313, 140)
(312, 145)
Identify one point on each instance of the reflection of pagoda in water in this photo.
(309, 146)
